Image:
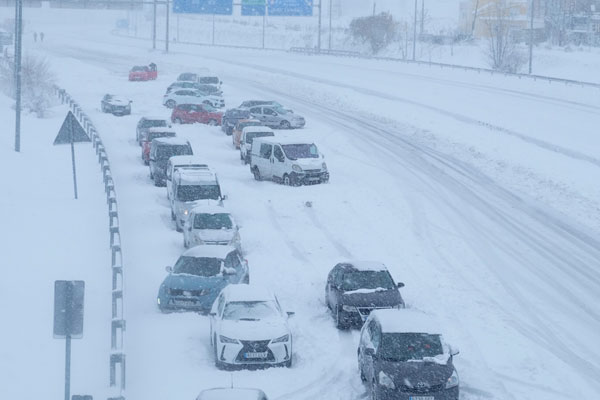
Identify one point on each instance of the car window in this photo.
(212, 221)
(221, 304)
(255, 110)
(268, 111)
(278, 153)
(354, 280)
(250, 310)
(232, 260)
(199, 266)
(410, 346)
(265, 150)
(296, 151)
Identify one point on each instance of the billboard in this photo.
(220, 7)
(288, 8)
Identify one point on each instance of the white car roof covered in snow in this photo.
(405, 321)
(187, 160)
(156, 118)
(194, 176)
(367, 265)
(209, 251)
(244, 292)
(257, 129)
(210, 209)
(283, 140)
(231, 394)
(172, 140)
(161, 129)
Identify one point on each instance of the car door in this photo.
(372, 340)
(278, 163)
(328, 288)
(264, 161)
(169, 179)
(256, 112)
(271, 117)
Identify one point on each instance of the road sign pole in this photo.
(167, 30)
(319, 33)
(264, 22)
(18, 51)
(73, 159)
(68, 367)
(154, 26)
(415, 34)
(330, 12)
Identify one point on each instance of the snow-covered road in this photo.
(467, 187)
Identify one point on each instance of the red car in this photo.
(143, 73)
(190, 113)
(146, 138)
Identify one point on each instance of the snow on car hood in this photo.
(119, 101)
(218, 235)
(192, 282)
(264, 329)
(310, 163)
(379, 289)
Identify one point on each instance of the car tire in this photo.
(172, 216)
(363, 378)
(247, 279)
(146, 162)
(212, 122)
(373, 392)
(151, 174)
(185, 243)
(256, 173)
(247, 159)
(286, 180)
(288, 363)
(339, 322)
(178, 121)
(294, 180)
(285, 125)
(218, 363)
(177, 227)
(170, 103)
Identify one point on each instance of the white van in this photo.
(249, 133)
(192, 187)
(177, 162)
(290, 161)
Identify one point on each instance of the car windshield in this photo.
(209, 79)
(367, 280)
(172, 150)
(296, 151)
(198, 192)
(187, 77)
(156, 135)
(280, 110)
(212, 221)
(138, 69)
(208, 88)
(208, 107)
(251, 135)
(238, 114)
(409, 346)
(250, 310)
(154, 123)
(199, 266)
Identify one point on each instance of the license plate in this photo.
(421, 398)
(262, 354)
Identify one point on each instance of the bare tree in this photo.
(502, 48)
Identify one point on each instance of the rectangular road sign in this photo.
(278, 8)
(68, 309)
(220, 7)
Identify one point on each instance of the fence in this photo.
(117, 326)
(343, 53)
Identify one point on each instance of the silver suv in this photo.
(277, 117)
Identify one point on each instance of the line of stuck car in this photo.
(401, 352)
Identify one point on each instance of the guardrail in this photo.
(117, 326)
(344, 53)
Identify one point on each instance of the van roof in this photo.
(405, 321)
(283, 140)
(187, 160)
(194, 176)
(257, 129)
(173, 141)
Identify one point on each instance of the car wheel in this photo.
(374, 395)
(171, 103)
(242, 157)
(178, 228)
(218, 364)
(178, 121)
(146, 162)
(288, 363)
(151, 174)
(285, 125)
(172, 216)
(247, 279)
(362, 374)
(294, 180)
(339, 322)
(212, 122)
(286, 180)
(185, 243)
(256, 173)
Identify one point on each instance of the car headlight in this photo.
(349, 308)
(296, 168)
(199, 239)
(324, 166)
(452, 381)
(386, 381)
(225, 339)
(284, 338)
(185, 212)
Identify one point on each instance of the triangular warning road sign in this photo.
(71, 129)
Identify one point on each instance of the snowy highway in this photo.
(444, 180)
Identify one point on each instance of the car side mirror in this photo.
(290, 313)
(212, 314)
(169, 269)
(130, 101)
(220, 82)
(400, 285)
(229, 271)
(454, 351)
(224, 197)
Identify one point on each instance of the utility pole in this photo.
(422, 27)
(531, 38)
(415, 34)
(264, 22)
(154, 26)
(17, 64)
(330, 11)
(167, 35)
(319, 33)
(213, 29)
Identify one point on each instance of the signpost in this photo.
(68, 319)
(278, 8)
(219, 7)
(71, 132)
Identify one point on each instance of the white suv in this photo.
(287, 160)
(248, 328)
(192, 96)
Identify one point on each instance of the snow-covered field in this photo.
(479, 192)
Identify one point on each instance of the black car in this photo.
(116, 105)
(146, 123)
(401, 356)
(231, 118)
(354, 289)
(161, 150)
